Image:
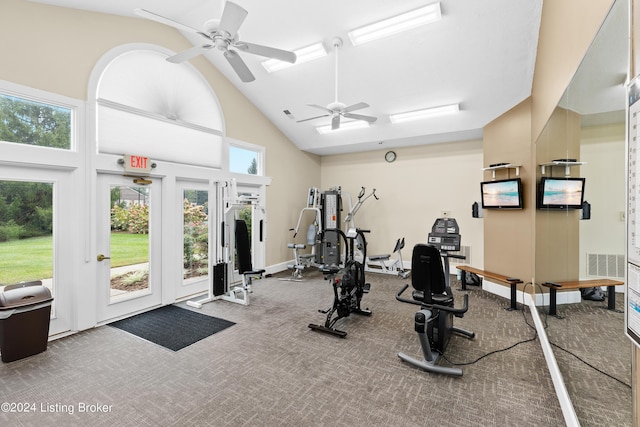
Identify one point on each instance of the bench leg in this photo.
(611, 297)
(463, 278)
(552, 302)
(514, 304)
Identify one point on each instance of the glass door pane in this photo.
(129, 241)
(129, 250)
(26, 232)
(196, 235)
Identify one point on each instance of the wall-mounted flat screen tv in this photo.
(502, 194)
(561, 193)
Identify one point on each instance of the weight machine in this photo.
(222, 285)
(325, 247)
(385, 265)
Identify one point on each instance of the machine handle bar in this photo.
(455, 311)
(448, 255)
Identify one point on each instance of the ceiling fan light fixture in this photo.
(424, 114)
(355, 124)
(387, 27)
(304, 54)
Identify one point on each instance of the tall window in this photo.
(28, 122)
(26, 232)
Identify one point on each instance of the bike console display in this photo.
(445, 234)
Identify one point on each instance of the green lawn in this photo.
(32, 259)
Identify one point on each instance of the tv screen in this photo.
(561, 193)
(502, 194)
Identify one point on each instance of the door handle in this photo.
(101, 257)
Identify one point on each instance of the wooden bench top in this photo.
(579, 284)
(489, 274)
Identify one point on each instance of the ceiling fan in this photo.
(337, 109)
(223, 35)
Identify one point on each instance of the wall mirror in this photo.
(588, 125)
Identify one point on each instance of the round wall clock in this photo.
(390, 156)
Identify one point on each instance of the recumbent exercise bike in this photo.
(434, 321)
(348, 290)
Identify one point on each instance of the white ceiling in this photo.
(480, 55)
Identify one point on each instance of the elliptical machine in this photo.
(348, 290)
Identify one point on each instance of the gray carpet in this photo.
(587, 339)
(270, 369)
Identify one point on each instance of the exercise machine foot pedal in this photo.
(321, 328)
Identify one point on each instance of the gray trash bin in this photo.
(25, 311)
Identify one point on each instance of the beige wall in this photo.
(558, 233)
(413, 191)
(566, 31)
(509, 238)
(55, 49)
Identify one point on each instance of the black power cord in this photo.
(535, 336)
(546, 313)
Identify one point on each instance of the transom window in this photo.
(247, 160)
(29, 122)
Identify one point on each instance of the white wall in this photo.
(603, 150)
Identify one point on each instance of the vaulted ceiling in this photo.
(480, 55)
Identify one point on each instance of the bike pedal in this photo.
(366, 288)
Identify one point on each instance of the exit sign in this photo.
(136, 164)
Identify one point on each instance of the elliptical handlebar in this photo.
(359, 232)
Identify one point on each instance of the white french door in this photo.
(128, 258)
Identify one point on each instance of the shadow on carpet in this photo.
(172, 327)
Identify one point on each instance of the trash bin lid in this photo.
(24, 294)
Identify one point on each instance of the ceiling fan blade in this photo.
(335, 122)
(188, 54)
(269, 52)
(239, 66)
(232, 18)
(312, 118)
(354, 107)
(166, 21)
(369, 119)
(321, 108)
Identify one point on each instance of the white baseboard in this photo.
(277, 268)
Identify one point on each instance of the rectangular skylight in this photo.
(304, 54)
(424, 114)
(355, 124)
(397, 24)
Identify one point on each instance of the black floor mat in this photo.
(172, 327)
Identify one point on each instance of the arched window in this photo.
(166, 111)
